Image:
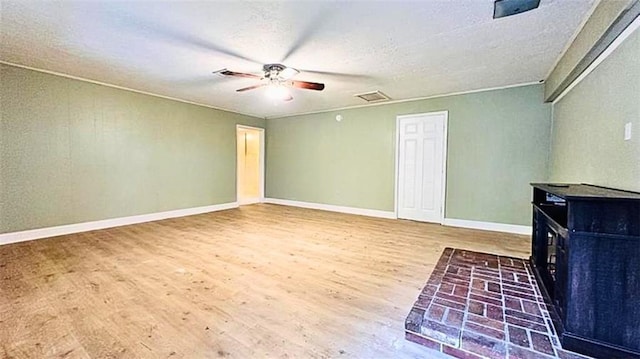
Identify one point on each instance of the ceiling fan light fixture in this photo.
(278, 92)
(276, 80)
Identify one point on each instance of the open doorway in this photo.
(250, 164)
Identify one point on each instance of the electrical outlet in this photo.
(627, 131)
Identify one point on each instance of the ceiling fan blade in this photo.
(226, 72)
(339, 74)
(307, 85)
(160, 32)
(195, 81)
(312, 27)
(250, 88)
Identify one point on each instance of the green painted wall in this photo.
(498, 143)
(72, 151)
(588, 126)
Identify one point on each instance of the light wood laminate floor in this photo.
(259, 281)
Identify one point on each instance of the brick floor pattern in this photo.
(477, 305)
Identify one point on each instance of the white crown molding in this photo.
(488, 226)
(14, 237)
(407, 100)
(124, 88)
(333, 208)
(258, 116)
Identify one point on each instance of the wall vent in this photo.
(374, 96)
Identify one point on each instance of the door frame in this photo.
(262, 158)
(444, 159)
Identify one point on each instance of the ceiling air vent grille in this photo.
(375, 96)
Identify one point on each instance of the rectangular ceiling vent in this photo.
(375, 96)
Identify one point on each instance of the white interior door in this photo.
(421, 166)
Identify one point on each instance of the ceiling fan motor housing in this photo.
(273, 70)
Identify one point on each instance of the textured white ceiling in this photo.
(405, 49)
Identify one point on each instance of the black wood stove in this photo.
(586, 258)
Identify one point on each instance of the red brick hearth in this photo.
(478, 305)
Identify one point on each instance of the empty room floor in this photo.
(258, 281)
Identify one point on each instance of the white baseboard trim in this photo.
(250, 201)
(14, 237)
(488, 226)
(333, 208)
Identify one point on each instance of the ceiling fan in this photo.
(277, 78)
